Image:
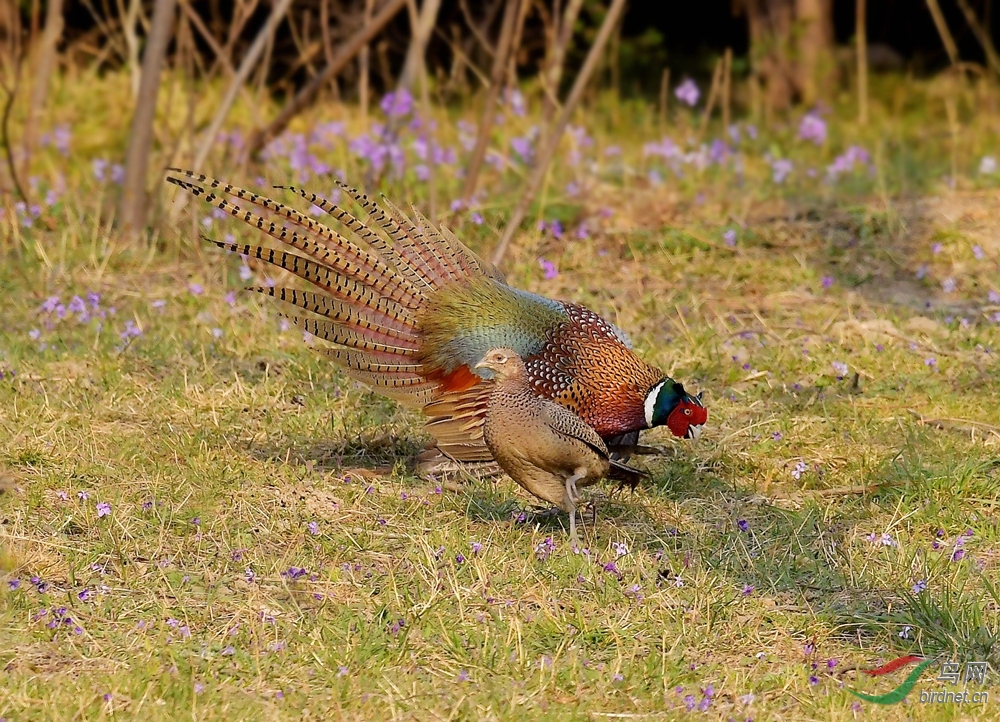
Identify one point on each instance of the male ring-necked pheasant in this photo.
(410, 310)
(543, 446)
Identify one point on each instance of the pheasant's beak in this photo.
(480, 365)
(694, 431)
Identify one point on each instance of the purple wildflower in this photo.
(744, 525)
(130, 331)
(103, 509)
(813, 128)
(545, 548)
(920, 586)
(845, 162)
(397, 104)
(522, 146)
(780, 169)
(687, 92)
(729, 237)
(612, 568)
(549, 269)
(706, 699)
(313, 528)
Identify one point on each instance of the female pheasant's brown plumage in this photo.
(409, 310)
(543, 446)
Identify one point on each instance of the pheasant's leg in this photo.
(571, 498)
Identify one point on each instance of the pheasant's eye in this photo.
(687, 412)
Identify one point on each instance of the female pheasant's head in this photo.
(668, 403)
(503, 362)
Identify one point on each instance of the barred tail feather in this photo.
(413, 273)
(378, 325)
(334, 284)
(370, 291)
(439, 264)
(331, 248)
(352, 338)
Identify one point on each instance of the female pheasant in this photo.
(411, 312)
(543, 446)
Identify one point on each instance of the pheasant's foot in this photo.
(572, 496)
(574, 540)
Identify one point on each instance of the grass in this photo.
(268, 552)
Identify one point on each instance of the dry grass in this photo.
(217, 439)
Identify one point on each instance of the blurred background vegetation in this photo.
(757, 59)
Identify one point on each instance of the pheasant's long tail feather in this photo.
(333, 284)
(316, 240)
(352, 338)
(419, 276)
(369, 290)
(377, 326)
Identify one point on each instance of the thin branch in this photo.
(492, 93)
(305, 96)
(727, 85)
(943, 31)
(552, 75)
(220, 54)
(476, 30)
(861, 36)
(239, 79)
(549, 150)
(18, 56)
(713, 93)
(982, 35)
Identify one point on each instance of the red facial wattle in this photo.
(684, 416)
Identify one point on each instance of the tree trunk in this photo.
(45, 60)
(132, 211)
(770, 42)
(421, 34)
(791, 50)
(814, 33)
